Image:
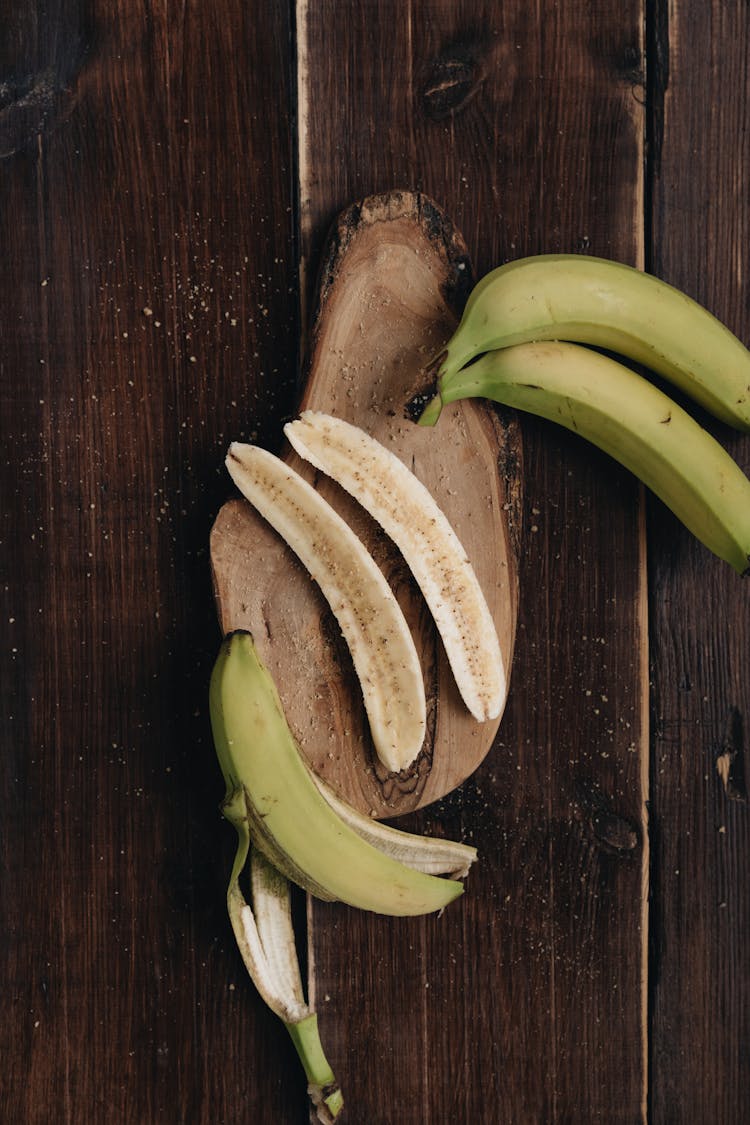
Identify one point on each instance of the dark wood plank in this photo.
(525, 1003)
(148, 315)
(700, 611)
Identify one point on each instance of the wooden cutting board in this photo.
(394, 278)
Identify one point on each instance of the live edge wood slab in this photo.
(394, 276)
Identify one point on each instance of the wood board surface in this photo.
(168, 176)
(392, 284)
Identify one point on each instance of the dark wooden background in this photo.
(167, 175)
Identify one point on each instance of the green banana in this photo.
(271, 797)
(613, 306)
(629, 418)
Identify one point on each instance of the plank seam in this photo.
(657, 81)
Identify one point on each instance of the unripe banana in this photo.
(272, 798)
(626, 416)
(609, 305)
(409, 515)
(382, 647)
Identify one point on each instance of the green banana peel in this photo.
(272, 964)
(287, 816)
(268, 951)
(323, 1089)
(288, 829)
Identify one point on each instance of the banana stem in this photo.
(324, 1090)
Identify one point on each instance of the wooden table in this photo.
(168, 176)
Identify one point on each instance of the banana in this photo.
(272, 799)
(407, 512)
(613, 306)
(382, 647)
(265, 937)
(626, 416)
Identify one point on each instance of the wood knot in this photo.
(452, 79)
(34, 100)
(614, 833)
(730, 761)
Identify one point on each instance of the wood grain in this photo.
(147, 266)
(552, 924)
(150, 162)
(700, 610)
(391, 289)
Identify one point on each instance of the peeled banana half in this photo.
(371, 620)
(409, 515)
(382, 647)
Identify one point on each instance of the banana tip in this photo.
(415, 407)
(431, 411)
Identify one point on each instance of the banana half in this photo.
(382, 647)
(409, 515)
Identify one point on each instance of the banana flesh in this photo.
(627, 417)
(382, 647)
(272, 799)
(609, 305)
(409, 515)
